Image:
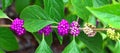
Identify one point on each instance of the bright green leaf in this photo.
(7, 40)
(35, 18)
(92, 20)
(1, 51)
(6, 3)
(55, 9)
(21, 4)
(117, 47)
(72, 48)
(98, 3)
(80, 8)
(119, 0)
(108, 14)
(43, 48)
(3, 15)
(93, 43)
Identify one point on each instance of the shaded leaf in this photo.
(1, 51)
(80, 8)
(93, 43)
(7, 40)
(21, 4)
(60, 38)
(39, 2)
(6, 3)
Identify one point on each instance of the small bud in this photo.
(112, 34)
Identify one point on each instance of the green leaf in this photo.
(49, 39)
(3, 15)
(37, 37)
(114, 2)
(80, 8)
(71, 18)
(119, 0)
(21, 4)
(108, 14)
(7, 40)
(39, 2)
(35, 18)
(72, 48)
(93, 43)
(98, 3)
(92, 20)
(1, 51)
(6, 3)
(43, 48)
(60, 38)
(55, 9)
(117, 47)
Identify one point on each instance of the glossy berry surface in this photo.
(63, 27)
(17, 26)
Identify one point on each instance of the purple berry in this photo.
(17, 26)
(75, 24)
(63, 27)
(46, 30)
(74, 31)
(74, 28)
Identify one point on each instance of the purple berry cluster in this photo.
(74, 28)
(63, 27)
(17, 26)
(46, 30)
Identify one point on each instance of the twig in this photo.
(4, 25)
(10, 19)
(77, 19)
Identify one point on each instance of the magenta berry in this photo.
(63, 27)
(75, 24)
(46, 30)
(17, 26)
(74, 28)
(74, 31)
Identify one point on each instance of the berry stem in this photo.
(43, 36)
(53, 26)
(4, 25)
(77, 19)
(96, 29)
(10, 19)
